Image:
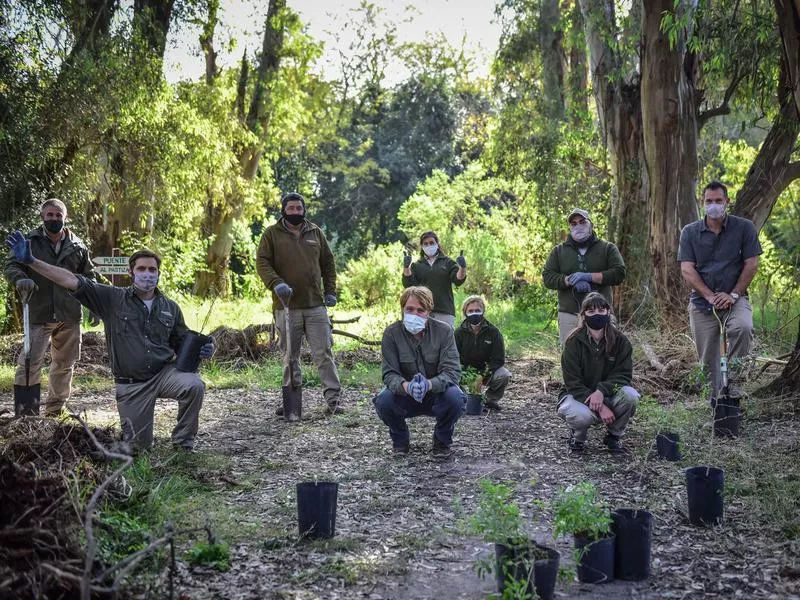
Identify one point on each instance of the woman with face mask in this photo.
(437, 272)
(597, 365)
(481, 346)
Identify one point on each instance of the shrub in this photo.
(579, 511)
(375, 278)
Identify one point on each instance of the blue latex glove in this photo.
(462, 262)
(330, 299)
(579, 276)
(418, 387)
(20, 247)
(207, 350)
(583, 287)
(283, 292)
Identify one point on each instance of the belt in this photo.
(129, 380)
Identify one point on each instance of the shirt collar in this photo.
(724, 223)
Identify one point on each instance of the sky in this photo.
(243, 20)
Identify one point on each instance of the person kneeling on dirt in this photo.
(143, 330)
(597, 365)
(421, 372)
(480, 346)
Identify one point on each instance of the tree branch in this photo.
(723, 109)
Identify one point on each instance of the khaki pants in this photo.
(136, 403)
(580, 417)
(315, 325)
(496, 386)
(705, 331)
(566, 323)
(65, 350)
(444, 318)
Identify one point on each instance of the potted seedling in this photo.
(522, 568)
(580, 512)
(469, 383)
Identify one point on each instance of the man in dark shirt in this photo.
(421, 374)
(55, 316)
(480, 346)
(719, 257)
(143, 328)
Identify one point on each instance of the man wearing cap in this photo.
(581, 264)
(719, 258)
(55, 316)
(296, 263)
(144, 329)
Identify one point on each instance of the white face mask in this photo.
(430, 250)
(145, 282)
(714, 210)
(581, 232)
(413, 323)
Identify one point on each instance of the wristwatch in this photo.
(735, 296)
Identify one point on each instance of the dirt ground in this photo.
(397, 533)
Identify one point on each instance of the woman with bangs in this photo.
(597, 366)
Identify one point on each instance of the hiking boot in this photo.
(492, 405)
(576, 446)
(613, 444)
(400, 450)
(440, 450)
(334, 409)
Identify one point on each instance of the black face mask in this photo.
(294, 219)
(475, 319)
(596, 322)
(53, 226)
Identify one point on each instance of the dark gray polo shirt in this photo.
(719, 259)
(140, 342)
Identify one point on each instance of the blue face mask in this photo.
(430, 250)
(413, 323)
(145, 282)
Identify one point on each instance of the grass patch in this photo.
(217, 556)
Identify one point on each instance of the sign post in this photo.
(111, 265)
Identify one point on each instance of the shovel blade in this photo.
(727, 414)
(26, 400)
(292, 402)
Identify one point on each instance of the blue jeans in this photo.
(446, 406)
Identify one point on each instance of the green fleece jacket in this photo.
(51, 303)
(434, 355)
(304, 262)
(439, 278)
(586, 367)
(484, 351)
(601, 257)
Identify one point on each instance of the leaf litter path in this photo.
(397, 529)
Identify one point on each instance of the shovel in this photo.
(27, 397)
(292, 393)
(727, 411)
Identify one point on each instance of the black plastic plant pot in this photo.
(667, 446)
(514, 562)
(727, 415)
(188, 359)
(633, 529)
(596, 562)
(704, 487)
(316, 508)
(474, 404)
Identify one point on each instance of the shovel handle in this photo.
(26, 329)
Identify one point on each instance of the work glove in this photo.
(207, 350)
(284, 292)
(583, 287)
(462, 262)
(579, 276)
(20, 247)
(418, 387)
(406, 260)
(330, 299)
(26, 286)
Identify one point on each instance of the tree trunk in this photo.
(220, 219)
(577, 80)
(619, 112)
(553, 59)
(772, 170)
(670, 142)
(151, 20)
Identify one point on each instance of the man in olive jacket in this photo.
(581, 264)
(296, 263)
(481, 346)
(55, 316)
